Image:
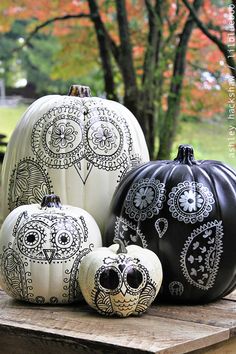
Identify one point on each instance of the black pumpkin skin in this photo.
(197, 249)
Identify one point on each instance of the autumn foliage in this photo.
(202, 80)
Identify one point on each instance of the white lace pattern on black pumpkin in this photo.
(200, 257)
(190, 202)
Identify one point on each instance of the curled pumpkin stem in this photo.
(122, 248)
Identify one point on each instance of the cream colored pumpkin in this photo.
(41, 248)
(120, 280)
(76, 146)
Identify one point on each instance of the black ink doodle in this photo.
(35, 233)
(44, 238)
(57, 137)
(122, 284)
(29, 182)
(82, 136)
(15, 278)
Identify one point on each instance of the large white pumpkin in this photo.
(76, 146)
(41, 248)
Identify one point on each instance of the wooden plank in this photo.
(231, 296)
(74, 329)
(226, 347)
(221, 313)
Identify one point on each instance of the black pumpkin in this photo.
(185, 211)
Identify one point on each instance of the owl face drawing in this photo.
(41, 248)
(48, 237)
(123, 286)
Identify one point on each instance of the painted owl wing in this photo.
(146, 298)
(102, 302)
(14, 276)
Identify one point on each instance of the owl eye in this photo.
(64, 239)
(31, 238)
(135, 278)
(110, 279)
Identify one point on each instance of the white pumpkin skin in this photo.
(41, 250)
(121, 284)
(76, 147)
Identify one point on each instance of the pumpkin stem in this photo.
(122, 248)
(51, 201)
(79, 91)
(186, 155)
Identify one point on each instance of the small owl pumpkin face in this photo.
(120, 281)
(41, 248)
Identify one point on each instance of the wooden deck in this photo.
(34, 329)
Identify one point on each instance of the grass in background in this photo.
(208, 139)
(9, 116)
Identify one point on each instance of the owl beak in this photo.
(49, 254)
(123, 290)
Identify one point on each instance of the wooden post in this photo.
(2, 92)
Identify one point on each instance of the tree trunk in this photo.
(125, 60)
(168, 129)
(147, 106)
(104, 50)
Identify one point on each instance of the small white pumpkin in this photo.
(120, 280)
(76, 146)
(41, 248)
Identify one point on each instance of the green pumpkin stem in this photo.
(51, 201)
(79, 91)
(122, 248)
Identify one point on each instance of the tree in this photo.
(146, 44)
(224, 48)
(36, 62)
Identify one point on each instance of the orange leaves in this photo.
(78, 40)
(42, 11)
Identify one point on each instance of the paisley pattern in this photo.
(28, 184)
(145, 199)
(129, 233)
(161, 226)
(15, 277)
(200, 257)
(190, 202)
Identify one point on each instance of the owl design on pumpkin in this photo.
(122, 281)
(40, 261)
(48, 238)
(72, 140)
(121, 284)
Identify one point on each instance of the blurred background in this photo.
(172, 63)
